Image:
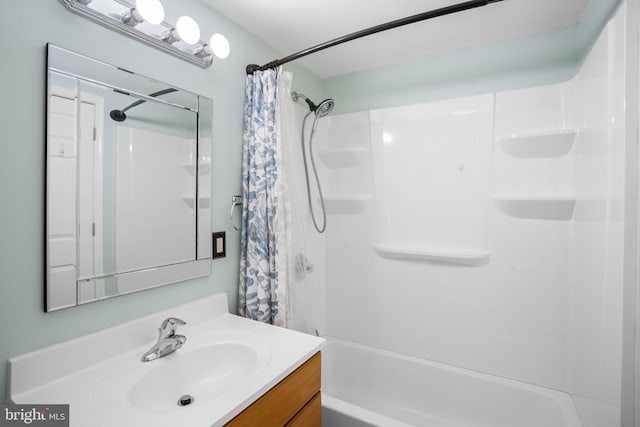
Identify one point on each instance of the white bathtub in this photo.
(364, 386)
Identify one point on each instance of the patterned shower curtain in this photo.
(264, 240)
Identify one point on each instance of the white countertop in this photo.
(95, 374)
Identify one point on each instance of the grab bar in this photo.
(235, 201)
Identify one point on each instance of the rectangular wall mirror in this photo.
(128, 193)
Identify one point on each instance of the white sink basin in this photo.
(207, 368)
(226, 364)
(201, 374)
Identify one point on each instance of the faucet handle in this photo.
(170, 325)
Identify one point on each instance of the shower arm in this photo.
(152, 95)
(296, 96)
(460, 7)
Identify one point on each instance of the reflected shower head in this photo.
(321, 110)
(118, 115)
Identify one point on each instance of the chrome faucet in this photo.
(168, 341)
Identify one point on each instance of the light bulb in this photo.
(219, 46)
(188, 30)
(151, 11)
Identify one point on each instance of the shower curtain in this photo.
(264, 263)
(306, 288)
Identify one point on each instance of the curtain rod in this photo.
(460, 7)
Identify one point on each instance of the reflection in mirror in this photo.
(128, 182)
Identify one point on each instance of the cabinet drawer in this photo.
(310, 416)
(276, 407)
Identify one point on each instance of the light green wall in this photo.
(545, 58)
(25, 28)
(529, 61)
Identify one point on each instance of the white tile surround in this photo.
(533, 180)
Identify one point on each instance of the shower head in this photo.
(321, 110)
(325, 107)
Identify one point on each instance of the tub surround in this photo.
(528, 184)
(97, 375)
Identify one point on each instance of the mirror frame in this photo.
(60, 294)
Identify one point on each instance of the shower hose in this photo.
(315, 173)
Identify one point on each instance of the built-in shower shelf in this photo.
(346, 205)
(471, 257)
(203, 202)
(556, 143)
(190, 168)
(536, 197)
(559, 206)
(205, 168)
(345, 158)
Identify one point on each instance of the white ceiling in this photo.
(294, 25)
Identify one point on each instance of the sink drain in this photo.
(185, 400)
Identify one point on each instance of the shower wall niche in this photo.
(485, 232)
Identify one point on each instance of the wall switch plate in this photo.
(219, 244)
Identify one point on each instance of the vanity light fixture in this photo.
(219, 46)
(188, 30)
(150, 11)
(143, 20)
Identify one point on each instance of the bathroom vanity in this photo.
(230, 371)
(294, 401)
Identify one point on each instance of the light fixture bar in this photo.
(79, 7)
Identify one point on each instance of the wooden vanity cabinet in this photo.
(293, 402)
